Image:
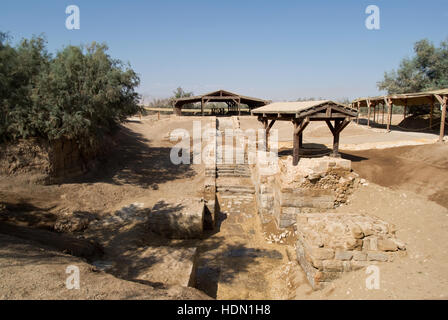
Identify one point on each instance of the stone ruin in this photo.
(301, 196)
(330, 244)
(311, 186)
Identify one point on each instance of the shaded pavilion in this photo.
(337, 116)
(233, 101)
(426, 98)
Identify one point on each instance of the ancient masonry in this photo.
(329, 244)
(284, 190)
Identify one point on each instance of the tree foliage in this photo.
(426, 70)
(81, 93)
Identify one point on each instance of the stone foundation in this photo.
(330, 244)
(315, 184)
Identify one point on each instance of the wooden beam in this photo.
(270, 125)
(342, 125)
(303, 124)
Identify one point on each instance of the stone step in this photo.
(236, 189)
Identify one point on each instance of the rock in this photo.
(75, 222)
(377, 256)
(387, 245)
(359, 256)
(400, 244)
(343, 255)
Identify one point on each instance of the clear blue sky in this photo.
(279, 50)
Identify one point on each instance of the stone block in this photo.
(377, 256)
(333, 265)
(359, 256)
(343, 255)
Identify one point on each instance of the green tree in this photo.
(426, 70)
(180, 93)
(81, 93)
(19, 69)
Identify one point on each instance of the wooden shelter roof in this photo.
(300, 109)
(222, 96)
(408, 99)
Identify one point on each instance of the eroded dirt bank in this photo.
(421, 169)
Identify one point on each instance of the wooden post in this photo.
(336, 139)
(158, 115)
(382, 119)
(339, 125)
(442, 102)
(374, 112)
(431, 113)
(296, 145)
(202, 107)
(299, 126)
(239, 106)
(267, 128)
(405, 109)
(357, 116)
(368, 112)
(389, 106)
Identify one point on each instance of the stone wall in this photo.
(210, 200)
(283, 191)
(330, 244)
(42, 161)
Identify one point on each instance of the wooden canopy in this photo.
(405, 100)
(301, 113)
(233, 101)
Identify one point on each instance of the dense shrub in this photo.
(81, 93)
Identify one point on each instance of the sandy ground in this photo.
(353, 137)
(406, 187)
